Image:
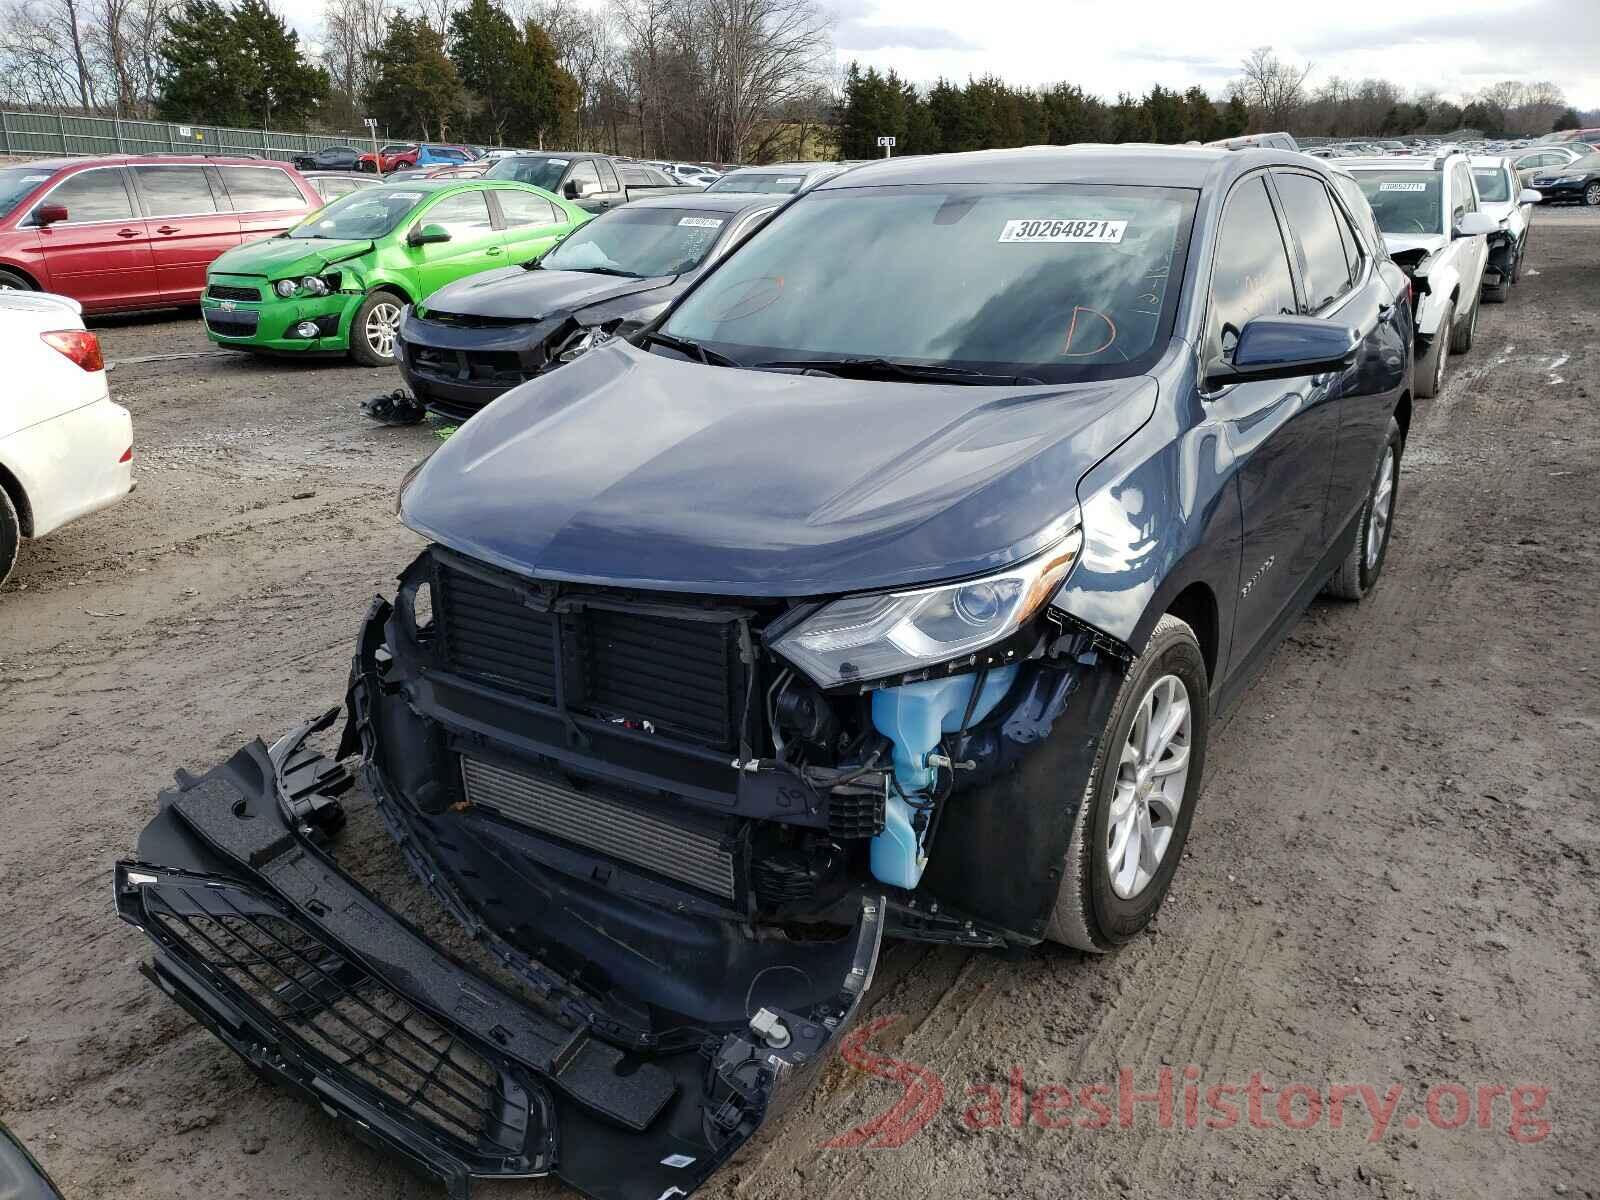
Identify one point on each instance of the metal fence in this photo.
(48, 133)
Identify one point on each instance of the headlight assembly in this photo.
(312, 286)
(286, 287)
(889, 633)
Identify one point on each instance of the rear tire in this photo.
(1126, 802)
(1359, 572)
(1430, 371)
(10, 281)
(1591, 195)
(10, 536)
(374, 329)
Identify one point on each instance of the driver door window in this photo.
(474, 242)
(586, 177)
(1251, 277)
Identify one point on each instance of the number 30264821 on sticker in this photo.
(1036, 230)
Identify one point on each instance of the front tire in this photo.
(1591, 195)
(10, 536)
(10, 281)
(374, 329)
(1430, 371)
(1133, 821)
(1359, 572)
(1461, 337)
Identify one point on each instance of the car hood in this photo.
(1400, 243)
(1499, 209)
(283, 256)
(637, 470)
(534, 295)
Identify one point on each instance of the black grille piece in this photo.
(338, 1013)
(680, 676)
(490, 633)
(676, 674)
(692, 854)
(857, 814)
(228, 291)
(783, 878)
(232, 324)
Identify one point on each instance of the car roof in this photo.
(731, 203)
(123, 160)
(1398, 162)
(1129, 163)
(1489, 160)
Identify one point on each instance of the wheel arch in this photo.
(1402, 414)
(18, 269)
(12, 486)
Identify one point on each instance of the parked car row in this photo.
(1459, 228)
(886, 584)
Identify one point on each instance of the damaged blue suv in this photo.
(888, 586)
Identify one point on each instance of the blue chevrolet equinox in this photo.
(887, 586)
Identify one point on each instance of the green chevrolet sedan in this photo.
(336, 282)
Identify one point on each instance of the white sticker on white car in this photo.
(702, 222)
(1089, 230)
(1402, 187)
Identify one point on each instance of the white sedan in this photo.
(66, 449)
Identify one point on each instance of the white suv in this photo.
(65, 448)
(1502, 196)
(1435, 229)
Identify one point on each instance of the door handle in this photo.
(168, 229)
(494, 250)
(127, 233)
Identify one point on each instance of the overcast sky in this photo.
(1457, 46)
(1106, 46)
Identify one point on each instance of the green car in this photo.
(337, 281)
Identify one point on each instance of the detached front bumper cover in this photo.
(318, 986)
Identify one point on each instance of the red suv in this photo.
(137, 231)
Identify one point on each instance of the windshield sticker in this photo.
(558, 162)
(1098, 230)
(786, 180)
(702, 222)
(34, 178)
(405, 195)
(1402, 187)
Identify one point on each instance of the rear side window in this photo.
(93, 196)
(1251, 277)
(608, 177)
(1323, 265)
(1356, 202)
(465, 215)
(176, 191)
(259, 189)
(524, 208)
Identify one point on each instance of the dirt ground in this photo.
(1393, 876)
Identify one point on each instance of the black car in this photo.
(483, 335)
(1578, 181)
(329, 158)
(887, 586)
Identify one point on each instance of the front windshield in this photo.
(1404, 201)
(540, 172)
(1492, 185)
(1054, 282)
(642, 242)
(370, 213)
(758, 181)
(17, 182)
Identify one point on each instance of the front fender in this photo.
(1444, 281)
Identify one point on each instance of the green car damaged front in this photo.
(285, 294)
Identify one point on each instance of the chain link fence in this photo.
(23, 133)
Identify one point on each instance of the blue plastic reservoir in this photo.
(914, 717)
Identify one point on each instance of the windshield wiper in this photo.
(886, 368)
(609, 271)
(690, 349)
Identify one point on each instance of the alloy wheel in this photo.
(1382, 508)
(383, 324)
(1148, 793)
(1591, 195)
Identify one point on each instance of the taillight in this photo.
(81, 346)
(127, 455)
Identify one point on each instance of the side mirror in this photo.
(49, 214)
(576, 189)
(1285, 348)
(1529, 196)
(1473, 224)
(427, 235)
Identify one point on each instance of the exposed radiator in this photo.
(613, 827)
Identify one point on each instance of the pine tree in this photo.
(416, 88)
(236, 66)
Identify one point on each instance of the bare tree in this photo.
(1274, 89)
(352, 34)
